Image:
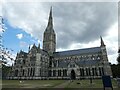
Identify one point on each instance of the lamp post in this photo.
(79, 75)
(90, 75)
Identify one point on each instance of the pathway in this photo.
(63, 85)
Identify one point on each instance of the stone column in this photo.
(84, 72)
(98, 71)
(62, 72)
(56, 73)
(51, 72)
(91, 73)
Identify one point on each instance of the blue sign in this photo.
(107, 81)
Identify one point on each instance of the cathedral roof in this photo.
(22, 53)
(78, 51)
(64, 64)
(87, 62)
(44, 52)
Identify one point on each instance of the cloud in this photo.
(111, 41)
(113, 59)
(70, 19)
(85, 24)
(31, 19)
(19, 36)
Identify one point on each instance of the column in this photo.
(91, 73)
(51, 72)
(62, 72)
(98, 73)
(57, 63)
(56, 73)
(84, 72)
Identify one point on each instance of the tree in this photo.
(5, 71)
(116, 68)
(5, 52)
(118, 58)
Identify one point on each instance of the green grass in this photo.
(31, 83)
(97, 83)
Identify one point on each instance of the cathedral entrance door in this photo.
(73, 77)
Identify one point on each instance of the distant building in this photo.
(46, 63)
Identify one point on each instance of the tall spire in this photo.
(49, 38)
(39, 46)
(102, 42)
(50, 21)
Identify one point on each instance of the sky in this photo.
(77, 25)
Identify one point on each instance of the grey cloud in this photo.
(119, 23)
(111, 51)
(82, 22)
(73, 22)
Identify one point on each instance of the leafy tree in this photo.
(4, 52)
(5, 71)
(116, 68)
(118, 58)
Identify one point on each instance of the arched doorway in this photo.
(73, 74)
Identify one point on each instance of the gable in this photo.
(72, 64)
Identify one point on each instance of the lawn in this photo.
(31, 83)
(97, 83)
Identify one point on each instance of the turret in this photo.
(102, 42)
(106, 66)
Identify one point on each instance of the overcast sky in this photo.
(77, 25)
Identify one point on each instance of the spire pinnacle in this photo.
(51, 11)
(34, 46)
(102, 42)
(50, 21)
(29, 47)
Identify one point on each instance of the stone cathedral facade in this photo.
(46, 63)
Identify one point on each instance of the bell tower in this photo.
(49, 38)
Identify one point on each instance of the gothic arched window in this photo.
(23, 71)
(64, 72)
(59, 72)
(54, 72)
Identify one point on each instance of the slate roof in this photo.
(22, 53)
(63, 64)
(79, 63)
(44, 52)
(87, 62)
(77, 52)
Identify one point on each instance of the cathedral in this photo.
(46, 63)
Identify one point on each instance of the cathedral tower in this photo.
(49, 38)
